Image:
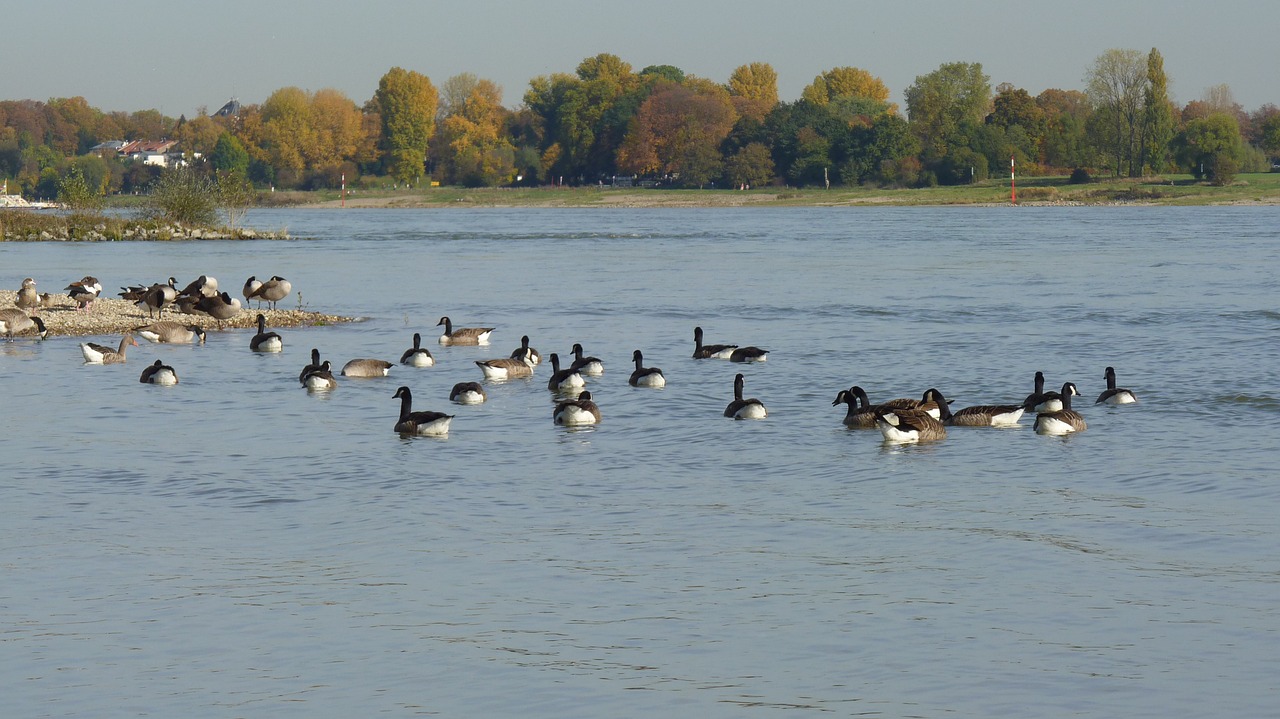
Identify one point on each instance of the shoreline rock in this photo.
(113, 316)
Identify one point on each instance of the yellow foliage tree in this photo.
(754, 89)
(846, 82)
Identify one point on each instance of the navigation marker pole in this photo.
(1013, 182)
(344, 189)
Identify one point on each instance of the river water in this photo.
(235, 546)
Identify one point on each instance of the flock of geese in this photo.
(898, 420)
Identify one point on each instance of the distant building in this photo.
(148, 152)
(231, 109)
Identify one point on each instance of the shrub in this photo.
(1080, 176)
(182, 195)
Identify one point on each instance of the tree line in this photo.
(606, 121)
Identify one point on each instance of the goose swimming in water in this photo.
(987, 415)
(315, 365)
(563, 380)
(463, 335)
(506, 368)
(468, 393)
(367, 368)
(1061, 421)
(159, 373)
(1114, 394)
(645, 376)
(170, 332)
(101, 354)
(701, 351)
(427, 424)
(909, 425)
(577, 411)
(589, 366)
(740, 408)
(320, 378)
(524, 348)
(417, 355)
(1041, 401)
(265, 341)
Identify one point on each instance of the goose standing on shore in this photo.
(84, 292)
(101, 354)
(1064, 420)
(159, 373)
(465, 335)
(170, 332)
(28, 298)
(220, 307)
(251, 286)
(581, 410)
(273, 290)
(740, 408)
(1114, 394)
(417, 355)
(158, 297)
(427, 424)
(14, 321)
(588, 366)
(645, 376)
(202, 286)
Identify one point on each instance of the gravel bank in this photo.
(113, 316)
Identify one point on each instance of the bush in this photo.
(1223, 170)
(1080, 176)
(182, 195)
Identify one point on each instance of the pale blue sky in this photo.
(177, 57)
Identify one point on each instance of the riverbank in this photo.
(112, 316)
(1175, 190)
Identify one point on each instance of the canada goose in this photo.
(506, 367)
(468, 393)
(14, 321)
(909, 425)
(861, 414)
(133, 293)
(985, 415)
(27, 298)
(563, 380)
(218, 307)
(523, 348)
(645, 376)
(265, 341)
(431, 424)
(251, 286)
(1114, 394)
(1062, 421)
(315, 365)
(589, 366)
(170, 332)
(417, 356)
(273, 290)
(101, 354)
(159, 373)
(320, 378)
(85, 291)
(464, 335)
(576, 411)
(158, 297)
(1041, 401)
(367, 368)
(748, 354)
(202, 286)
(927, 403)
(186, 304)
(701, 351)
(741, 408)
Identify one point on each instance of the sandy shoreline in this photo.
(113, 316)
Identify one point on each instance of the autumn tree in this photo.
(846, 82)
(406, 102)
(471, 144)
(1066, 114)
(678, 131)
(753, 89)
(1021, 120)
(1117, 83)
(940, 103)
(572, 112)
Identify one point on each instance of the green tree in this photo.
(939, 102)
(235, 196)
(1211, 148)
(76, 194)
(750, 166)
(229, 155)
(1157, 115)
(1066, 114)
(406, 101)
(183, 195)
(1117, 83)
(1271, 135)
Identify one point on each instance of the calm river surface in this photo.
(237, 547)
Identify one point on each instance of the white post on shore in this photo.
(344, 189)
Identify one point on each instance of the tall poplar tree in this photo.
(406, 100)
(1157, 115)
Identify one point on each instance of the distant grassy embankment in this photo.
(1248, 189)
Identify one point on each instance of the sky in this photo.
(181, 57)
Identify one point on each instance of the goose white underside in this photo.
(651, 380)
(592, 369)
(149, 336)
(165, 377)
(1124, 397)
(1048, 424)
(469, 397)
(753, 410)
(435, 428)
(320, 383)
(481, 339)
(572, 382)
(91, 355)
(723, 354)
(272, 345)
(574, 415)
(1007, 419)
(420, 359)
(498, 373)
(1053, 405)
